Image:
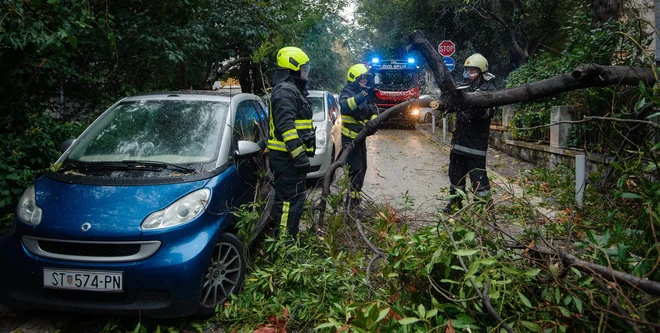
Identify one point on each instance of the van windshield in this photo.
(168, 131)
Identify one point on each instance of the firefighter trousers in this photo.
(357, 166)
(290, 191)
(459, 168)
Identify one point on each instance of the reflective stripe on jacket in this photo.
(355, 110)
(290, 119)
(470, 136)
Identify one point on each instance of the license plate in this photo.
(83, 280)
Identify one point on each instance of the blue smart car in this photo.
(136, 215)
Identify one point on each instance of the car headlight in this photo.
(321, 139)
(180, 212)
(414, 112)
(28, 212)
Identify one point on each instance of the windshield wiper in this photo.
(139, 165)
(126, 165)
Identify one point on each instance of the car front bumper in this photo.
(166, 284)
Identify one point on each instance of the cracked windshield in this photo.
(180, 132)
(274, 166)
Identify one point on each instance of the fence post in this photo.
(579, 179)
(559, 133)
(444, 129)
(432, 122)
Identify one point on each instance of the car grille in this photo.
(89, 250)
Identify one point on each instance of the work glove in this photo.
(301, 162)
(370, 93)
(372, 128)
(309, 140)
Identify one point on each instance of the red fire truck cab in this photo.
(396, 81)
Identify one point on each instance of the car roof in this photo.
(207, 95)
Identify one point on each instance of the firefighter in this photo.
(291, 141)
(469, 143)
(357, 111)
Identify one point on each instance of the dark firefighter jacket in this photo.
(291, 127)
(355, 110)
(472, 127)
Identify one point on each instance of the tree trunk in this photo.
(258, 80)
(244, 77)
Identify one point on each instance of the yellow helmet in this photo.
(292, 58)
(477, 60)
(355, 71)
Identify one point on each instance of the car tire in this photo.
(428, 117)
(225, 274)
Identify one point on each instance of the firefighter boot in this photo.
(455, 204)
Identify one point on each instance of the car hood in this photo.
(113, 212)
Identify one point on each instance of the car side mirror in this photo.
(246, 149)
(66, 144)
(377, 79)
(333, 117)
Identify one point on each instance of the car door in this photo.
(248, 126)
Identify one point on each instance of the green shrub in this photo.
(28, 152)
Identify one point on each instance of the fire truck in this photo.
(396, 81)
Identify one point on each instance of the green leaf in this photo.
(421, 310)
(73, 41)
(657, 114)
(524, 300)
(564, 312)
(326, 325)
(473, 268)
(532, 272)
(382, 314)
(534, 327)
(432, 313)
(408, 321)
(630, 196)
(463, 253)
(578, 304)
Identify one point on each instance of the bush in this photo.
(29, 150)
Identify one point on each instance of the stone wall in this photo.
(539, 154)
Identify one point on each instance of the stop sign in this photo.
(446, 48)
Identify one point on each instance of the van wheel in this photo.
(224, 275)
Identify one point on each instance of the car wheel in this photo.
(427, 118)
(225, 272)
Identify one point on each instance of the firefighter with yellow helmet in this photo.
(469, 143)
(358, 110)
(291, 141)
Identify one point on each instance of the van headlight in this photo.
(321, 139)
(28, 212)
(181, 211)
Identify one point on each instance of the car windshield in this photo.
(396, 80)
(317, 108)
(167, 132)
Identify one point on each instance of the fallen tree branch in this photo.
(584, 76)
(648, 286)
(227, 66)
